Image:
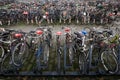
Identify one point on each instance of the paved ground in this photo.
(55, 29)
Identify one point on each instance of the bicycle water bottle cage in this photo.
(39, 32)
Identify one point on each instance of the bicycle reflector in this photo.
(39, 32)
(18, 35)
(67, 29)
(58, 33)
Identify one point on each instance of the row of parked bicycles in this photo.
(95, 50)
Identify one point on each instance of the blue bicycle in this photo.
(43, 50)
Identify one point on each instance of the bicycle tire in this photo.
(22, 53)
(46, 52)
(112, 66)
(59, 61)
(2, 52)
(82, 62)
(5, 64)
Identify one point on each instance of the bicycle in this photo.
(98, 45)
(79, 48)
(28, 42)
(6, 57)
(42, 52)
(58, 50)
(20, 51)
(68, 49)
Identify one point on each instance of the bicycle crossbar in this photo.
(54, 73)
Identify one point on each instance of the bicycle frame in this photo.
(11, 44)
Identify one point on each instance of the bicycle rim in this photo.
(109, 61)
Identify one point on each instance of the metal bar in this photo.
(54, 73)
(66, 66)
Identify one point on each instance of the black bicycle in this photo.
(8, 43)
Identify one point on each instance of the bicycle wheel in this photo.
(82, 63)
(19, 54)
(58, 61)
(109, 61)
(5, 64)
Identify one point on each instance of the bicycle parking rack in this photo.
(39, 65)
(14, 71)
